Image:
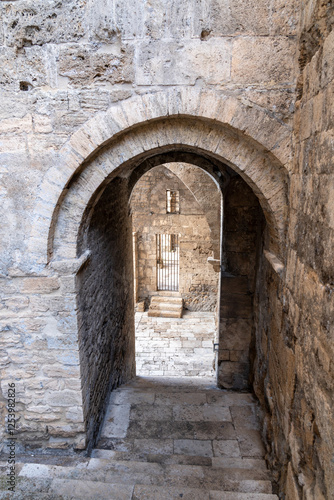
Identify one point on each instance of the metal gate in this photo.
(168, 255)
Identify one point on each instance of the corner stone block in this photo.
(64, 398)
(40, 285)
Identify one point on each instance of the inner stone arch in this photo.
(104, 281)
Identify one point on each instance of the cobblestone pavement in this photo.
(175, 346)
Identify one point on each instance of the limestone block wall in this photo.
(55, 75)
(175, 348)
(198, 283)
(104, 44)
(310, 266)
(40, 355)
(295, 335)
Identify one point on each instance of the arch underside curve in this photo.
(199, 185)
(210, 146)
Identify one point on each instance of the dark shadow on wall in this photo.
(243, 227)
(105, 303)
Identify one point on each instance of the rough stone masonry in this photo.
(94, 93)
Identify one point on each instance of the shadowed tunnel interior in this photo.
(105, 289)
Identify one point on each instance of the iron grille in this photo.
(168, 258)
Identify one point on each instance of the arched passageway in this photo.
(98, 220)
(90, 193)
(105, 286)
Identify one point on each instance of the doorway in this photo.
(168, 262)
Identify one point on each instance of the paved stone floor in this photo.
(175, 346)
(162, 439)
(190, 439)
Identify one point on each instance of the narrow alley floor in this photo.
(183, 438)
(162, 439)
(175, 346)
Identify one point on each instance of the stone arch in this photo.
(220, 146)
(250, 141)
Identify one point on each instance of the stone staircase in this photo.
(162, 441)
(166, 306)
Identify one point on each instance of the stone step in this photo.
(164, 313)
(149, 474)
(214, 473)
(66, 489)
(60, 489)
(257, 464)
(165, 305)
(146, 456)
(159, 493)
(156, 299)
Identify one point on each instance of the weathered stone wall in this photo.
(105, 305)
(103, 44)
(198, 281)
(39, 354)
(181, 347)
(295, 318)
(62, 63)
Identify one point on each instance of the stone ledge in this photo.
(70, 266)
(276, 264)
(215, 264)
